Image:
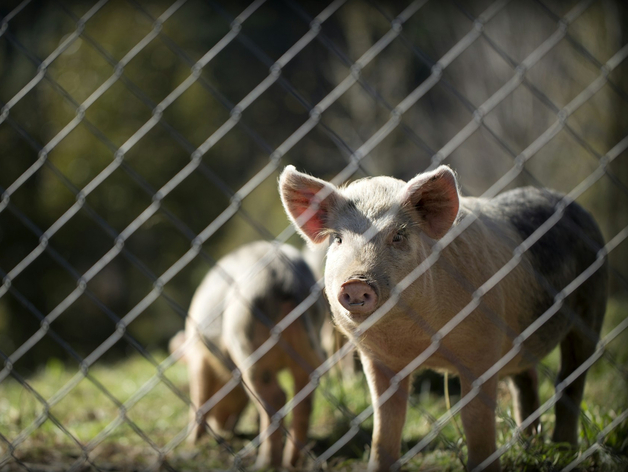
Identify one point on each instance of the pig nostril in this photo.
(357, 296)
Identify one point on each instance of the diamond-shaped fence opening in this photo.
(142, 142)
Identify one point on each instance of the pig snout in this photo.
(357, 296)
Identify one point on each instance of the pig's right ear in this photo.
(308, 201)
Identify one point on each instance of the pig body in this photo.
(232, 312)
(381, 229)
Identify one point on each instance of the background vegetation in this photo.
(39, 117)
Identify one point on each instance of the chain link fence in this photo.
(142, 141)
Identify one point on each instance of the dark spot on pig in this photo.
(266, 377)
(563, 252)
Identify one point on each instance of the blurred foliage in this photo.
(120, 100)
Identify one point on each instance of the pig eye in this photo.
(397, 238)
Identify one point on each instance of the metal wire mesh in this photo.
(355, 161)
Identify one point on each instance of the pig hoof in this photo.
(259, 467)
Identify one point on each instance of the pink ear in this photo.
(433, 197)
(308, 202)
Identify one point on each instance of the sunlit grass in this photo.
(156, 418)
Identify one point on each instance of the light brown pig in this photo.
(234, 309)
(381, 229)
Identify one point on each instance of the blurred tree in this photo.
(120, 98)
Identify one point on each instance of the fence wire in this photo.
(395, 33)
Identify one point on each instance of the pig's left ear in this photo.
(433, 198)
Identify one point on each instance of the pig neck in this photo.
(445, 289)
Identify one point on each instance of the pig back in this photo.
(567, 248)
(254, 284)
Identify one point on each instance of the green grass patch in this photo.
(126, 414)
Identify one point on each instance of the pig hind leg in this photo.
(478, 421)
(224, 416)
(262, 386)
(245, 336)
(202, 381)
(269, 398)
(304, 361)
(575, 349)
(525, 395)
(297, 438)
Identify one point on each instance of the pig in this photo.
(176, 343)
(231, 315)
(380, 229)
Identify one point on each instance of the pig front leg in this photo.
(388, 418)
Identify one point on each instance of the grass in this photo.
(92, 407)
